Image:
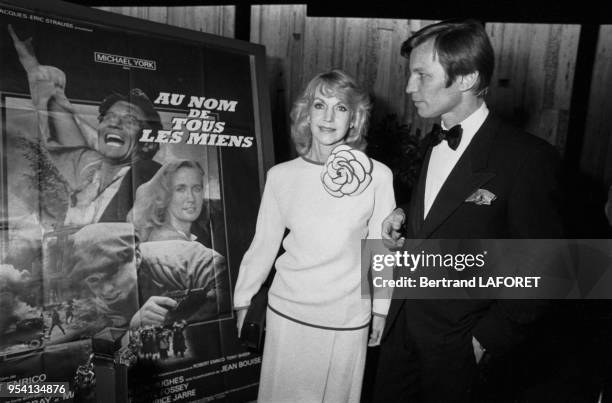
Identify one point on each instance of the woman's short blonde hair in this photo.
(331, 83)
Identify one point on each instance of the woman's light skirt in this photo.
(308, 364)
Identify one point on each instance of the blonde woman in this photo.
(329, 198)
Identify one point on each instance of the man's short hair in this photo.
(152, 119)
(462, 47)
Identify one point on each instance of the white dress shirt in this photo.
(443, 158)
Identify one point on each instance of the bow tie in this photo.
(452, 136)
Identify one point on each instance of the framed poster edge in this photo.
(262, 109)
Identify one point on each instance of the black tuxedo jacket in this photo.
(522, 171)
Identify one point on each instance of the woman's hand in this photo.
(478, 350)
(240, 315)
(391, 229)
(378, 325)
(153, 312)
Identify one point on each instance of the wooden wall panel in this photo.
(218, 20)
(597, 146)
(299, 47)
(281, 30)
(368, 49)
(532, 82)
(157, 14)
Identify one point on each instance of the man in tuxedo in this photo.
(480, 179)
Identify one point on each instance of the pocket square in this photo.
(480, 197)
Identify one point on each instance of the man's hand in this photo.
(609, 206)
(47, 84)
(391, 226)
(378, 325)
(153, 312)
(478, 350)
(240, 315)
(45, 81)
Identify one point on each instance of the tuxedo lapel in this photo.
(417, 201)
(414, 221)
(467, 176)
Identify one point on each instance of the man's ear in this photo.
(468, 81)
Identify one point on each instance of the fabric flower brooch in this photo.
(347, 172)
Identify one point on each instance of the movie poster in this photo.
(131, 176)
